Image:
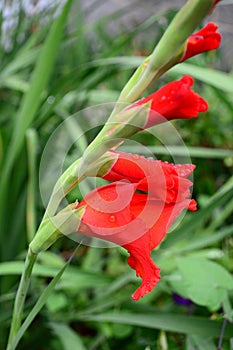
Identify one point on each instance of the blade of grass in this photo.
(39, 304)
(15, 82)
(71, 278)
(67, 336)
(223, 215)
(168, 322)
(205, 240)
(198, 152)
(212, 77)
(21, 61)
(30, 104)
(39, 80)
(31, 137)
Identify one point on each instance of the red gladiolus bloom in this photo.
(175, 100)
(204, 40)
(138, 221)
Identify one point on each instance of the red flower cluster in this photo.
(146, 196)
(204, 40)
(138, 221)
(175, 100)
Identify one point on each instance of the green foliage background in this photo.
(57, 70)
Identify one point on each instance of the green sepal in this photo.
(64, 223)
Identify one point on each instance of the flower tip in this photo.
(143, 290)
(203, 105)
(192, 205)
(136, 296)
(184, 170)
(211, 26)
(187, 79)
(203, 40)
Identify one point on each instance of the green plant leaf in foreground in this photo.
(218, 79)
(215, 78)
(39, 304)
(81, 279)
(195, 342)
(205, 282)
(40, 78)
(166, 321)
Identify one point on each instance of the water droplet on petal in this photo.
(163, 98)
(112, 218)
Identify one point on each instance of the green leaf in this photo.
(67, 336)
(32, 143)
(194, 342)
(16, 83)
(39, 304)
(165, 321)
(227, 308)
(204, 282)
(74, 277)
(216, 78)
(56, 301)
(197, 152)
(204, 240)
(40, 78)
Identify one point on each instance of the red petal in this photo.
(140, 261)
(137, 221)
(108, 214)
(175, 100)
(192, 205)
(127, 166)
(204, 40)
(159, 221)
(135, 168)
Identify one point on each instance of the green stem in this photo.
(21, 295)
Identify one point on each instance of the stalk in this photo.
(21, 295)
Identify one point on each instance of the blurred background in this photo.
(54, 64)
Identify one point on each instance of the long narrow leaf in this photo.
(68, 337)
(212, 77)
(29, 107)
(31, 197)
(40, 78)
(197, 152)
(73, 276)
(169, 322)
(39, 304)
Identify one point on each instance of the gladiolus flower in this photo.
(204, 40)
(175, 100)
(138, 221)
